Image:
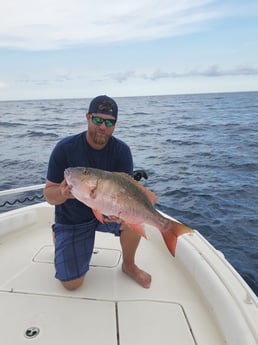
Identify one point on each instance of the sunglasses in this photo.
(99, 120)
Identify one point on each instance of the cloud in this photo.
(211, 71)
(3, 85)
(121, 76)
(56, 24)
(216, 71)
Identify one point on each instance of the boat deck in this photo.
(110, 308)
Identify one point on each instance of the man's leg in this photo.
(73, 250)
(129, 242)
(72, 284)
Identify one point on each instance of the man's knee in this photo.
(73, 284)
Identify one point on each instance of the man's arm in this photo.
(57, 193)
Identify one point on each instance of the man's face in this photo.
(99, 130)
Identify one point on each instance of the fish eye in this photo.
(85, 171)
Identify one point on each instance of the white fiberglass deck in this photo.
(110, 308)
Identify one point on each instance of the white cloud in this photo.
(211, 71)
(54, 24)
(3, 85)
(120, 77)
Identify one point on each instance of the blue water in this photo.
(200, 152)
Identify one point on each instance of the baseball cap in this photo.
(103, 105)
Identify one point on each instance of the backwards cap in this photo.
(103, 105)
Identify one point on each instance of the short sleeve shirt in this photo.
(75, 151)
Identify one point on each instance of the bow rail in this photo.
(21, 189)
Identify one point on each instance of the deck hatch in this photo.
(35, 319)
(102, 257)
(152, 323)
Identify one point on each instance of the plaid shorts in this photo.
(74, 246)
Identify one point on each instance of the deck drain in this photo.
(31, 332)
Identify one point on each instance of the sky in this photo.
(53, 49)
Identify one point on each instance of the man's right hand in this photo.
(66, 190)
(57, 193)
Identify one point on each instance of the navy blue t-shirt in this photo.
(75, 151)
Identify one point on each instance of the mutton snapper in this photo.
(119, 195)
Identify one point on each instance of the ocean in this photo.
(200, 153)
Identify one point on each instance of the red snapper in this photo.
(119, 195)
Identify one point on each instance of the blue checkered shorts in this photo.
(74, 246)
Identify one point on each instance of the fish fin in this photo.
(98, 215)
(150, 195)
(172, 231)
(139, 228)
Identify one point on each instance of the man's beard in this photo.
(97, 138)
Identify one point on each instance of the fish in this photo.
(116, 194)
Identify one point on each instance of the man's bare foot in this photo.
(141, 277)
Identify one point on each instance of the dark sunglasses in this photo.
(99, 120)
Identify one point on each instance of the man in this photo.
(75, 223)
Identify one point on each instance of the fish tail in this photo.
(171, 232)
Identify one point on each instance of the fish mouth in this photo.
(70, 178)
(68, 175)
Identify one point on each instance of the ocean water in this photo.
(200, 153)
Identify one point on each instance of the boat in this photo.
(196, 297)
